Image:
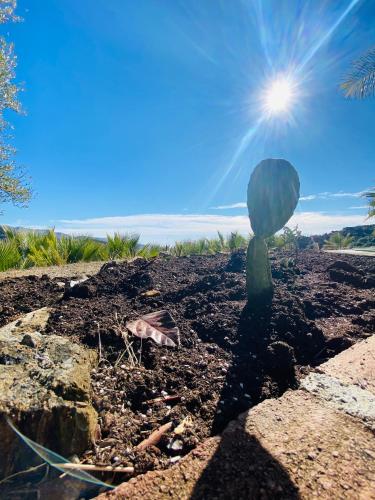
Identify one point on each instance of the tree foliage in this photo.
(360, 82)
(13, 187)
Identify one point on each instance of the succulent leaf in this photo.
(258, 272)
(272, 196)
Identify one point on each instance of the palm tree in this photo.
(338, 241)
(371, 203)
(360, 82)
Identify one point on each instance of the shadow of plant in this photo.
(241, 467)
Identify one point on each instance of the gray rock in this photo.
(44, 390)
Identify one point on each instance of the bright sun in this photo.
(278, 96)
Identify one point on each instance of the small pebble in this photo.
(177, 445)
(173, 460)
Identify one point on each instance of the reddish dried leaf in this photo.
(159, 326)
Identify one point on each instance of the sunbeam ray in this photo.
(314, 49)
(243, 145)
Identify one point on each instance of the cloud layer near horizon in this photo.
(310, 197)
(168, 228)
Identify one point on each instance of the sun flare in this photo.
(279, 96)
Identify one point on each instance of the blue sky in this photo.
(144, 115)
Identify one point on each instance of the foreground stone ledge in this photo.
(355, 365)
(44, 390)
(293, 447)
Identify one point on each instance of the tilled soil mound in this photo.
(230, 358)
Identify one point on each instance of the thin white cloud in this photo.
(341, 194)
(328, 195)
(358, 207)
(308, 197)
(167, 228)
(241, 204)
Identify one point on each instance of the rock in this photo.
(28, 340)
(236, 262)
(281, 357)
(344, 266)
(354, 279)
(44, 390)
(343, 272)
(82, 291)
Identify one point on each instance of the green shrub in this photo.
(44, 250)
(121, 246)
(206, 246)
(81, 249)
(10, 256)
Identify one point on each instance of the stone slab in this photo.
(348, 398)
(355, 365)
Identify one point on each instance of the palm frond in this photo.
(10, 257)
(370, 195)
(338, 241)
(360, 82)
(121, 246)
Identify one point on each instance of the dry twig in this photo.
(94, 468)
(154, 437)
(132, 358)
(163, 398)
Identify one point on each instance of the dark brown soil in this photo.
(23, 295)
(230, 358)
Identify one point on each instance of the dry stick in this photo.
(99, 342)
(140, 351)
(95, 468)
(163, 398)
(26, 471)
(154, 437)
(132, 358)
